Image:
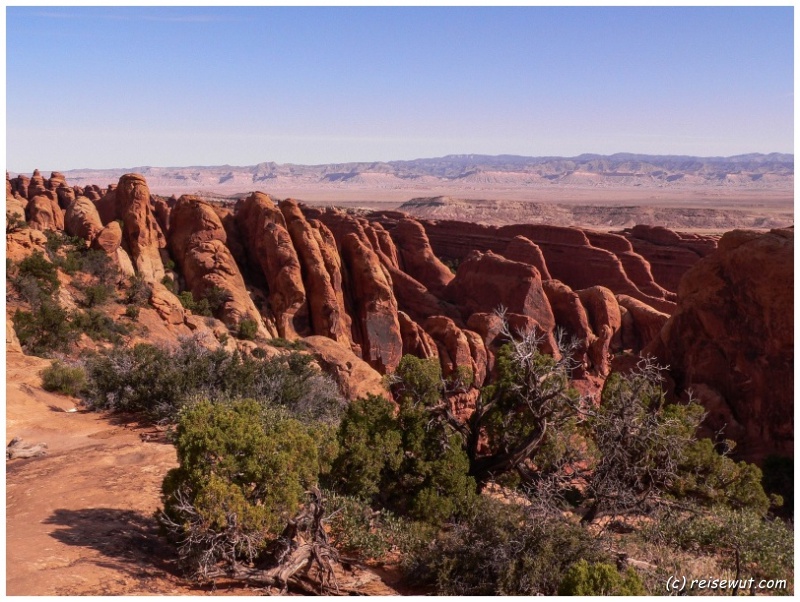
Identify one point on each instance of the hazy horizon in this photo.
(45, 170)
(106, 87)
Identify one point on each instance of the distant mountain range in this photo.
(473, 172)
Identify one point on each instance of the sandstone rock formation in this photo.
(647, 322)
(485, 281)
(416, 341)
(269, 247)
(81, 219)
(731, 340)
(197, 242)
(327, 312)
(669, 253)
(526, 251)
(141, 231)
(375, 323)
(353, 375)
(416, 257)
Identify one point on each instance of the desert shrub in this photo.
(169, 283)
(497, 549)
(243, 470)
(138, 292)
(599, 579)
(44, 329)
(216, 297)
(200, 308)
(97, 263)
(747, 543)
(132, 312)
(711, 478)
(160, 381)
(247, 329)
(98, 326)
(58, 240)
(96, 294)
(366, 534)
(15, 222)
(402, 461)
(282, 343)
(61, 378)
(43, 271)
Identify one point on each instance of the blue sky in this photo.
(109, 87)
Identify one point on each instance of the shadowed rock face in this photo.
(375, 324)
(731, 340)
(328, 316)
(670, 254)
(568, 253)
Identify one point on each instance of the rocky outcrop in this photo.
(417, 258)
(670, 254)
(327, 312)
(41, 215)
(19, 185)
(571, 316)
(452, 344)
(354, 377)
(24, 242)
(416, 341)
(605, 318)
(36, 185)
(731, 340)
(568, 254)
(647, 322)
(81, 219)
(141, 232)
(485, 281)
(526, 251)
(106, 205)
(375, 323)
(270, 249)
(108, 239)
(197, 242)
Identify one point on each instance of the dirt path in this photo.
(80, 519)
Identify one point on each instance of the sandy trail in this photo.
(80, 520)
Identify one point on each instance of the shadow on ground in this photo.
(129, 541)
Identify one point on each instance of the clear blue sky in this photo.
(111, 87)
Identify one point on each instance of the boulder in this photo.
(109, 239)
(39, 213)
